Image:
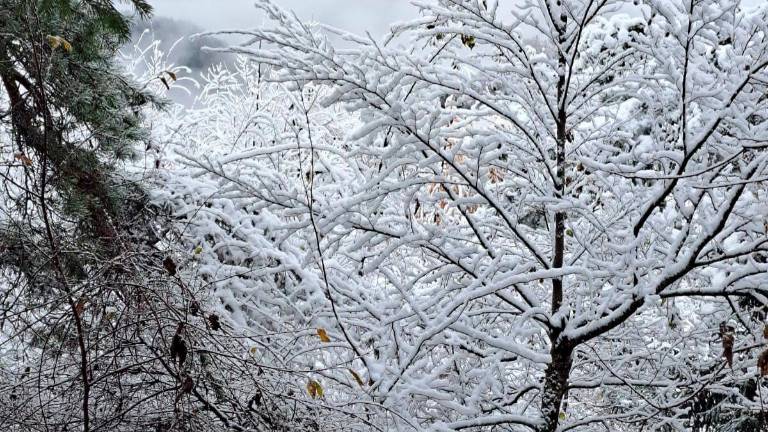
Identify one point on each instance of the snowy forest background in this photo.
(542, 215)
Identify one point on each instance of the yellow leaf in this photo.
(198, 250)
(314, 389)
(323, 335)
(58, 41)
(356, 377)
(253, 350)
(54, 41)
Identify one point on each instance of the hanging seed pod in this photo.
(213, 319)
(169, 266)
(179, 346)
(188, 384)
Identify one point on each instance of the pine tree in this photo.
(71, 219)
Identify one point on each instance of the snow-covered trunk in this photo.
(559, 247)
(555, 383)
(557, 372)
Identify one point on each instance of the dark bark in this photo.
(555, 385)
(558, 371)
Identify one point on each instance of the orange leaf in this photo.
(323, 335)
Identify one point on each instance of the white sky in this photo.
(356, 16)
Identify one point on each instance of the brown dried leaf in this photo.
(314, 389)
(80, 306)
(23, 158)
(356, 377)
(728, 340)
(494, 176)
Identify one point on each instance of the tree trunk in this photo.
(556, 374)
(555, 385)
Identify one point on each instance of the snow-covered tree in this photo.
(550, 217)
(241, 171)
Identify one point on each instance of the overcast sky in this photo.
(356, 16)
